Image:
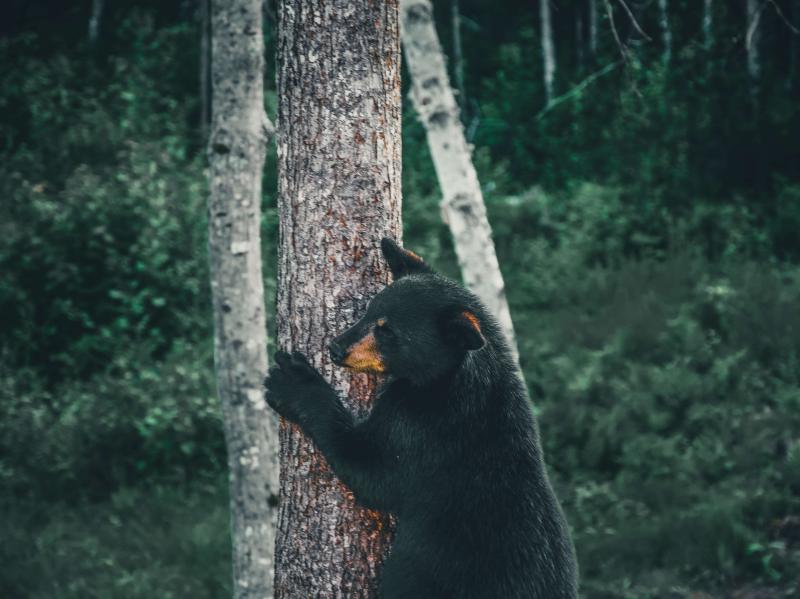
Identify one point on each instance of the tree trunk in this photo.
(579, 44)
(339, 193)
(236, 158)
(548, 53)
(593, 27)
(666, 31)
(458, 57)
(753, 44)
(94, 20)
(708, 23)
(795, 46)
(462, 203)
(204, 56)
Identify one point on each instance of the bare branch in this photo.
(783, 18)
(623, 50)
(751, 30)
(634, 21)
(575, 91)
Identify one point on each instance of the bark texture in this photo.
(236, 159)
(339, 193)
(462, 202)
(548, 48)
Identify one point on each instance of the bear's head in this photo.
(419, 328)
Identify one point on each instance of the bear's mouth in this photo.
(363, 356)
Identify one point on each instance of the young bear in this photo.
(450, 447)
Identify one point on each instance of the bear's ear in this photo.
(402, 262)
(463, 329)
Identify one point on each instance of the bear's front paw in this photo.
(293, 386)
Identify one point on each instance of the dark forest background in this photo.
(646, 223)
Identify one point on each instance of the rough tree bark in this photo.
(339, 193)
(94, 20)
(548, 51)
(462, 202)
(666, 31)
(236, 157)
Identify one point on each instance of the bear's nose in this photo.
(338, 353)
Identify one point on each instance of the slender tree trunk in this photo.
(708, 24)
(753, 44)
(579, 43)
(339, 193)
(666, 31)
(795, 45)
(204, 60)
(548, 52)
(236, 158)
(462, 203)
(593, 27)
(94, 20)
(458, 57)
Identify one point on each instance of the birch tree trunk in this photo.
(339, 194)
(94, 20)
(593, 27)
(462, 203)
(236, 158)
(753, 44)
(795, 45)
(204, 56)
(548, 52)
(708, 24)
(579, 43)
(666, 31)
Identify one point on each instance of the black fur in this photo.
(450, 447)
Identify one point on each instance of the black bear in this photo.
(450, 446)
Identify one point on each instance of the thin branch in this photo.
(634, 21)
(622, 49)
(575, 91)
(783, 18)
(751, 31)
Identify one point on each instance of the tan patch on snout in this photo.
(364, 357)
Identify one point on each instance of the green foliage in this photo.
(158, 541)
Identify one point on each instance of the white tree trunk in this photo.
(593, 27)
(666, 31)
(548, 51)
(236, 153)
(753, 43)
(579, 43)
(462, 202)
(708, 23)
(339, 136)
(94, 20)
(204, 64)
